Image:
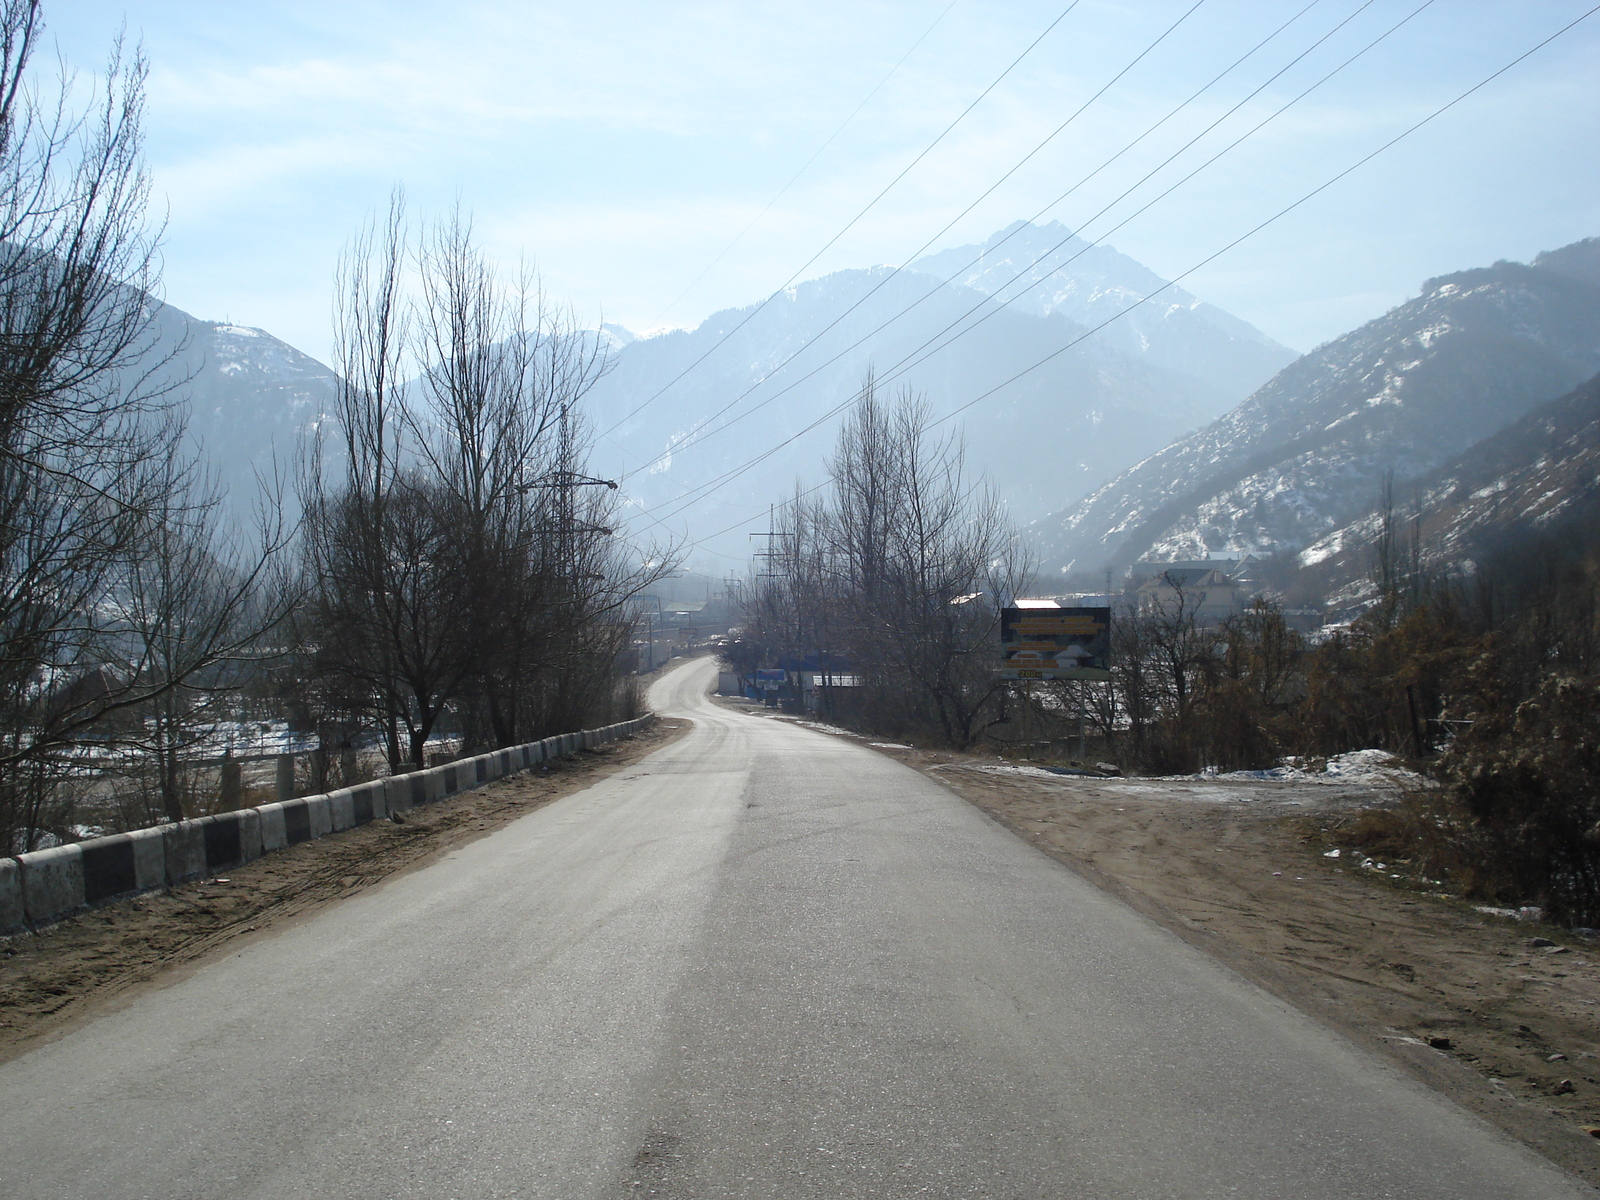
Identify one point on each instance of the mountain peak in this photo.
(1046, 269)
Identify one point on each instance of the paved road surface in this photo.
(761, 963)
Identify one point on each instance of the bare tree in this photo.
(932, 558)
(77, 432)
(194, 609)
(121, 594)
(502, 370)
(377, 539)
(461, 563)
(902, 573)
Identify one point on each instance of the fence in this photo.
(46, 885)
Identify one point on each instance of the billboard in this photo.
(1055, 643)
(771, 679)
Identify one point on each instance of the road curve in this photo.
(761, 962)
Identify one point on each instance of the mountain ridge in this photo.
(1306, 452)
(1045, 269)
(1052, 435)
(1529, 475)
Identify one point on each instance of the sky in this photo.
(658, 162)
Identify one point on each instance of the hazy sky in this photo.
(622, 146)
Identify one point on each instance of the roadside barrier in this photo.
(43, 886)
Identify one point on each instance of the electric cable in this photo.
(884, 281)
(646, 465)
(804, 167)
(1281, 213)
(995, 307)
(849, 225)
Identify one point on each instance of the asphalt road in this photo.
(762, 962)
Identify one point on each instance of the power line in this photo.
(686, 494)
(994, 308)
(848, 226)
(805, 166)
(1435, 114)
(821, 333)
(699, 437)
(1281, 212)
(907, 363)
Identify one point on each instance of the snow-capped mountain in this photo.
(1307, 453)
(1046, 437)
(678, 411)
(1045, 269)
(249, 395)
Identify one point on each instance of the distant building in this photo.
(84, 693)
(1240, 568)
(1200, 591)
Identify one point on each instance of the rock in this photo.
(1441, 1043)
(1557, 950)
(1556, 1058)
(1334, 853)
(1108, 768)
(1540, 942)
(1592, 1130)
(1530, 912)
(1564, 1088)
(397, 818)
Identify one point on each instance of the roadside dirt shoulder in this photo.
(70, 972)
(1236, 868)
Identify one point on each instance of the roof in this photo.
(1187, 577)
(1141, 571)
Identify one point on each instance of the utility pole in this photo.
(563, 483)
(768, 554)
(650, 631)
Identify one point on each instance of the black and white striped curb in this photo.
(46, 885)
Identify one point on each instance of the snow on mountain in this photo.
(1046, 438)
(249, 396)
(1529, 475)
(1307, 453)
(1045, 269)
(616, 337)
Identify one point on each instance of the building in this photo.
(1240, 568)
(1201, 592)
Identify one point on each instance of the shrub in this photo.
(1530, 781)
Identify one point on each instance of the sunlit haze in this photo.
(622, 147)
